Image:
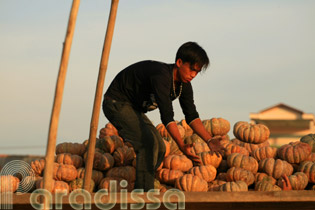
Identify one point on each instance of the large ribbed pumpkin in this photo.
(108, 130)
(168, 176)
(56, 186)
(191, 183)
(251, 133)
(239, 174)
(298, 181)
(294, 152)
(250, 147)
(109, 143)
(233, 148)
(238, 186)
(217, 126)
(264, 152)
(101, 161)
(68, 147)
(265, 185)
(124, 156)
(199, 147)
(69, 159)
(210, 158)
(308, 168)
(178, 162)
(310, 140)
(207, 172)
(242, 161)
(275, 168)
(38, 166)
(125, 172)
(63, 172)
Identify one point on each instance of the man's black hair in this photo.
(192, 53)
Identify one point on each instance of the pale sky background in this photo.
(261, 53)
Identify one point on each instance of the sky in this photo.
(261, 54)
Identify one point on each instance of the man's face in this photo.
(187, 71)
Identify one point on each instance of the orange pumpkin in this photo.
(294, 152)
(243, 161)
(308, 168)
(101, 161)
(168, 176)
(217, 126)
(67, 158)
(310, 140)
(191, 183)
(251, 133)
(207, 172)
(264, 152)
(124, 156)
(105, 184)
(125, 172)
(73, 148)
(298, 181)
(64, 172)
(232, 148)
(239, 174)
(56, 186)
(38, 166)
(108, 130)
(177, 162)
(199, 147)
(109, 143)
(311, 157)
(238, 186)
(265, 185)
(275, 168)
(210, 158)
(249, 146)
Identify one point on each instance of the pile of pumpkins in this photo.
(248, 162)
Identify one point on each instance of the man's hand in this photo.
(215, 146)
(186, 149)
(286, 184)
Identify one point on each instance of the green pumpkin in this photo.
(310, 140)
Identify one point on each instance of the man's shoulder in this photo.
(153, 63)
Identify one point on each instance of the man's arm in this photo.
(185, 148)
(199, 128)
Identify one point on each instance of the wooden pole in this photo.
(99, 93)
(51, 144)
